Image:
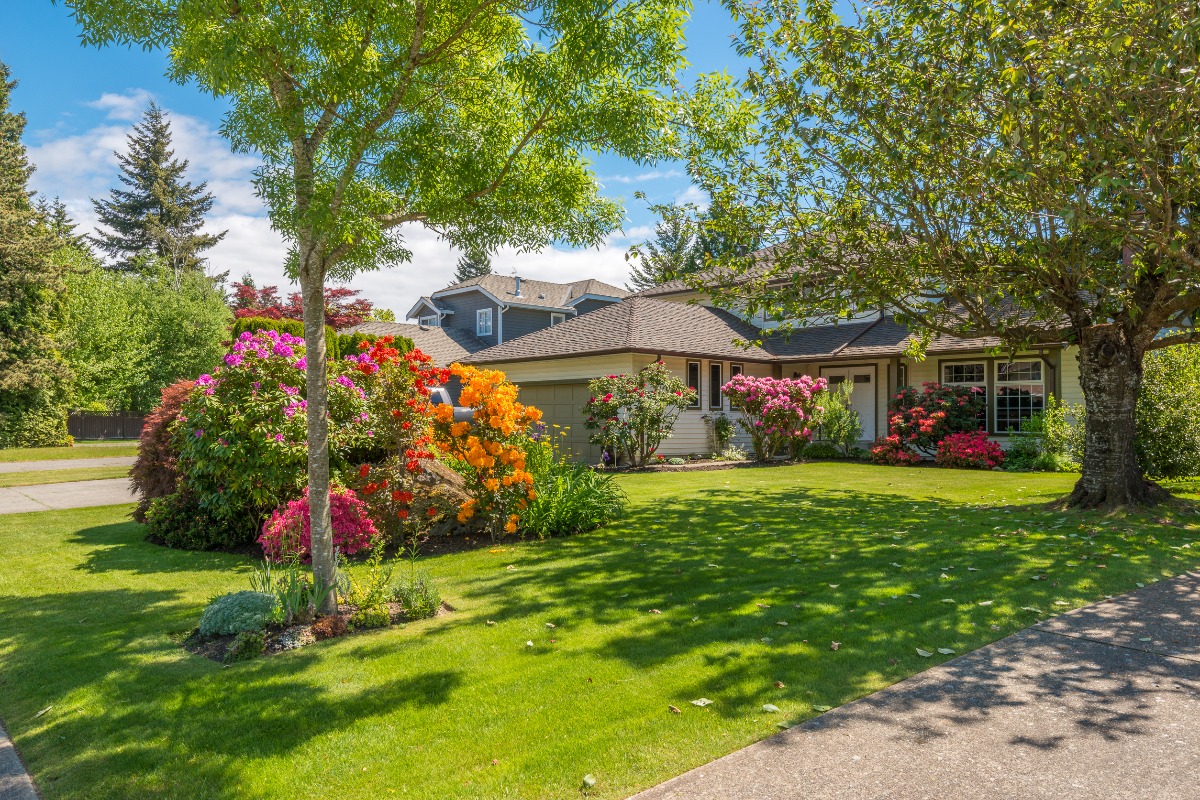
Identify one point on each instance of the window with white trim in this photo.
(1020, 393)
(735, 369)
(556, 318)
(483, 322)
(431, 321)
(693, 381)
(715, 383)
(968, 373)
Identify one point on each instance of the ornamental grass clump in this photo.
(488, 449)
(634, 414)
(570, 497)
(774, 411)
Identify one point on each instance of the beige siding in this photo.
(565, 369)
(1072, 392)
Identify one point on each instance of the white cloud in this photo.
(653, 175)
(693, 194)
(127, 106)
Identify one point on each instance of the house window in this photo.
(735, 369)
(969, 373)
(693, 381)
(714, 384)
(557, 319)
(428, 322)
(483, 322)
(1020, 393)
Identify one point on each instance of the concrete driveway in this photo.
(54, 496)
(1099, 703)
(66, 463)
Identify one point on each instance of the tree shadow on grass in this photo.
(150, 711)
(757, 587)
(121, 547)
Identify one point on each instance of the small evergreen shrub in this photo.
(1168, 413)
(823, 450)
(246, 645)
(839, 424)
(969, 451)
(419, 595)
(177, 520)
(237, 612)
(676, 461)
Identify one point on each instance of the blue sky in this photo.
(80, 103)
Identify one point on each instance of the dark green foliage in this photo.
(839, 422)
(177, 520)
(571, 497)
(160, 214)
(685, 241)
(823, 450)
(246, 645)
(472, 265)
(237, 612)
(1168, 413)
(1051, 441)
(60, 224)
(419, 595)
(293, 326)
(34, 377)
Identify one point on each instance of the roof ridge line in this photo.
(856, 337)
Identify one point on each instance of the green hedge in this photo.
(336, 344)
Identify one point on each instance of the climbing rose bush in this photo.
(633, 414)
(774, 411)
(288, 532)
(488, 448)
(242, 434)
(969, 451)
(923, 417)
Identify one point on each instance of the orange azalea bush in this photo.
(489, 447)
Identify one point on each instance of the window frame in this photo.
(985, 385)
(479, 318)
(429, 321)
(715, 368)
(736, 369)
(561, 318)
(998, 384)
(699, 377)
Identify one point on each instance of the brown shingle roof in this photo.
(443, 345)
(537, 293)
(637, 324)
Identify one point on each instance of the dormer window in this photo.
(483, 322)
(431, 321)
(557, 318)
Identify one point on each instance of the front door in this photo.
(862, 399)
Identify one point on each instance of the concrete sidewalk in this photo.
(66, 463)
(15, 783)
(1101, 702)
(54, 496)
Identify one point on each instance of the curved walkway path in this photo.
(1100, 702)
(55, 496)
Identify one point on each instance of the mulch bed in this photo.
(282, 638)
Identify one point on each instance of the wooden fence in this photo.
(93, 425)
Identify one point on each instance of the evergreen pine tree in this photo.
(673, 253)
(160, 214)
(472, 265)
(58, 220)
(34, 378)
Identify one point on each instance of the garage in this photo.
(562, 404)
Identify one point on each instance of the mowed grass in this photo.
(82, 450)
(682, 599)
(38, 477)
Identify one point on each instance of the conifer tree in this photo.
(58, 220)
(472, 265)
(673, 253)
(33, 376)
(160, 214)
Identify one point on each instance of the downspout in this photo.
(500, 325)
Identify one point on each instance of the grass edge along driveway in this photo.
(716, 585)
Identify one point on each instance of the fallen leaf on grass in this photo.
(782, 622)
(985, 602)
(550, 625)
(914, 594)
(946, 651)
(770, 709)
(529, 643)
(924, 653)
(702, 702)
(972, 569)
(43, 711)
(1061, 603)
(674, 710)
(511, 566)
(948, 600)
(655, 611)
(822, 709)
(834, 645)
(834, 585)
(589, 781)
(780, 684)
(491, 622)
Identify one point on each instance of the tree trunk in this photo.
(312, 290)
(1110, 372)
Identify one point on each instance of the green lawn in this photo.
(38, 477)
(82, 450)
(102, 702)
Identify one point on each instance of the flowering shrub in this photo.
(489, 447)
(633, 414)
(242, 434)
(774, 411)
(154, 473)
(969, 451)
(922, 418)
(892, 451)
(288, 532)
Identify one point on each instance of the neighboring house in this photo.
(705, 346)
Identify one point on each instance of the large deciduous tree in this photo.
(159, 215)
(1027, 170)
(470, 117)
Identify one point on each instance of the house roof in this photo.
(443, 345)
(537, 294)
(636, 324)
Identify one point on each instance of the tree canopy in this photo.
(343, 306)
(1021, 170)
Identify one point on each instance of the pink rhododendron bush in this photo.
(919, 419)
(242, 440)
(775, 411)
(969, 451)
(633, 414)
(287, 534)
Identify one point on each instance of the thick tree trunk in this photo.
(1110, 372)
(312, 290)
